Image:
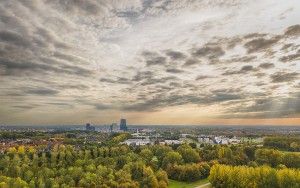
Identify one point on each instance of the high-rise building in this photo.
(111, 128)
(123, 125)
(89, 127)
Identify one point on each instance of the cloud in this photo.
(291, 57)
(87, 7)
(14, 68)
(267, 108)
(284, 77)
(68, 57)
(41, 91)
(134, 55)
(162, 100)
(293, 30)
(175, 55)
(174, 70)
(14, 38)
(243, 59)
(211, 52)
(108, 80)
(191, 62)
(260, 44)
(244, 69)
(156, 61)
(266, 65)
(102, 106)
(141, 75)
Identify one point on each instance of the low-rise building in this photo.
(137, 142)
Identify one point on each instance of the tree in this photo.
(188, 154)
(291, 160)
(171, 158)
(268, 156)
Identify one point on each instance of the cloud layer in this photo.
(79, 60)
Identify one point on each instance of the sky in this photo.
(199, 62)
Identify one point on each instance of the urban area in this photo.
(122, 155)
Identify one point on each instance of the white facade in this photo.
(137, 142)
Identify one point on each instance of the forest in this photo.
(112, 164)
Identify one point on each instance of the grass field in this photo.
(178, 184)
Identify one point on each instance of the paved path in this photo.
(203, 186)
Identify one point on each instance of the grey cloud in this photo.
(266, 65)
(67, 68)
(123, 80)
(152, 81)
(46, 35)
(119, 80)
(202, 77)
(255, 35)
(174, 70)
(191, 62)
(211, 52)
(267, 108)
(287, 46)
(41, 91)
(108, 80)
(68, 57)
(174, 99)
(260, 44)
(220, 97)
(13, 68)
(141, 75)
(70, 86)
(227, 42)
(158, 101)
(247, 68)
(175, 84)
(160, 60)
(242, 59)
(153, 58)
(87, 7)
(175, 55)
(284, 77)
(291, 57)
(102, 106)
(293, 30)
(14, 38)
(25, 107)
(244, 69)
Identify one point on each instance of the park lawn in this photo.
(180, 184)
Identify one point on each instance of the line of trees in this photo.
(250, 177)
(274, 158)
(283, 143)
(189, 172)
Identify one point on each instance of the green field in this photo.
(179, 184)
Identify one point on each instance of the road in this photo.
(203, 186)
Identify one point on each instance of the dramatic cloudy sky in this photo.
(151, 61)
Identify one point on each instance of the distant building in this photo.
(123, 125)
(137, 142)
(111, 128)
(89, 127)
(171, 142)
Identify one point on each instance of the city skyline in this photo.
(166, 62)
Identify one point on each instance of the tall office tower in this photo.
(111, 128)
(88, 126)
(123, 125)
